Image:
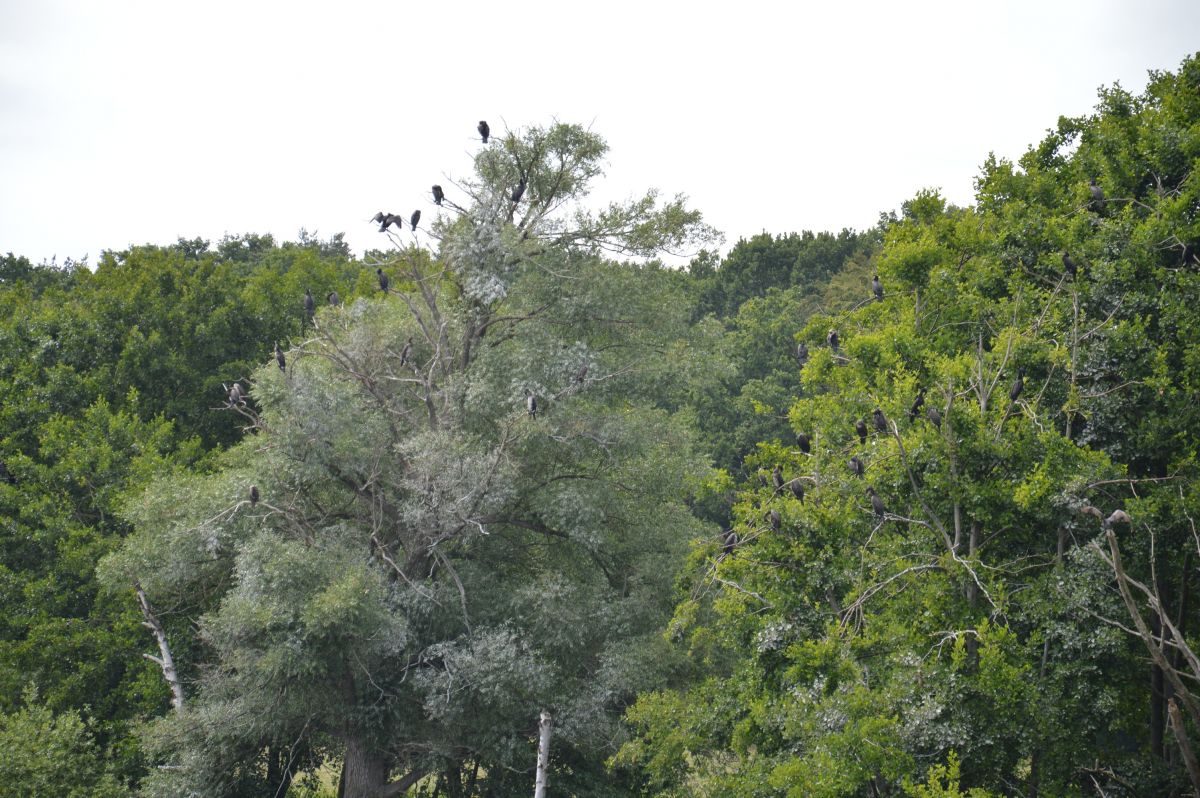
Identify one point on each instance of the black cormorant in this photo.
(334, 299)
(916, 405)
(803, 442)
(235, 395)
(310, 306)
(484, 130)
(861, 428)
(877, 288)
(253, 495)
(412, 220)
(876, 503)
(774, 518)
(777, 478)
(386, 220)
(797, 488)
(1069, 264)
(856, 466)
(1018, 386)
(531, 405)
(802, 353)
(832, 338)
(519, 191)
(279, 358)
(879, 420)
(383, 280)
(406, 351)
(438, 195)
(934, 416)
(1097, 194)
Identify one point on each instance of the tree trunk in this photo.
(365, 770)
(543, 760)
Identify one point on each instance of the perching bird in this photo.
(803, 442)
(581, 375)
(279, 358)
(861, 428)
(876, 503)
(519, 191)
(802, 353)
(880, 421)
(877, 288)
(774, 519)
(777, 478)
(438, 195)
(797, 488)
(383, 280)
(531, 405)
(334, 299)
(729, 541)
(310, 306)
(1069, 264)
(916, 405)
(1097, 194)
(484, 130)
(934, 416)
(386, 220)
(406, 351)
(856, 466)
(416, 217)
(254, 496)
(1189, 253)
(1018, 386)
(832, 338)
(235, 395)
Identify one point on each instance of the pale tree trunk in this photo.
(165, 661)
(543, 761)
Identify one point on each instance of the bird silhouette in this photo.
(861, 428)
(803, 442)
(334, 299)
(802, 353)
(519, 191)
(934, 416)
(1018, 386)
(856, 466)
(235, 395)
(1069, 264)
(877, 288)
(484, 130)
(406, 351)
(383, 280)
(279, 357)
(438, 195)
(797, 488)
(777, 478)
(254, 495)
(832, 338)
(310, 306)
(531, 404)
(1097, 194)
(876, 503)
(774, 519)
(879, 420)
(386, 220)
(416, 217)
(916, 405)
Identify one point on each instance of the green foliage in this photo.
(835, 651)
(43, 755)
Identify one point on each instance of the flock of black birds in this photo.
(932, 414)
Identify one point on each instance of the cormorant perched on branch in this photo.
(387, 219)
(334, 299)
(254, 496)
(832, 338)
(383, 280)
(416, 217)
(279, 358)
(797, 488)
(1018, 386)
(484, 130)
(235, 395)
(310, 306)
(880, 421)
(1189, 253)
(856, 466)
(934, 416)
(916, 405)
(876, 503)
(1069, 264)
(438, 195)
(777, 478)
(729, 541)
(802, 353)
(861, 428)
(519, 191)
(803, 442)
(1097, 194)
(406, 351)
(774, 519)
(877, 288)
(531, 404)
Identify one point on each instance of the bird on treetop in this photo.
(861, 428)
(832, 338)
(416, 217)
(438, 195)
(777, 477)
(797, 488)
(877, 288)
(519, 191)
(386, 220)
(279, 357)
(1069, 264)
(484, 130)
(876, 503)
(774, 518)
(383, 280)
(803, 442)
(934, 416)
(880, 421)
(856, 466)
(916, 405)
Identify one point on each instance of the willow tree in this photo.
(469, 503)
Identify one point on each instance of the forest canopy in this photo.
(906, 511)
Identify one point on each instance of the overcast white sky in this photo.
(140, 122)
